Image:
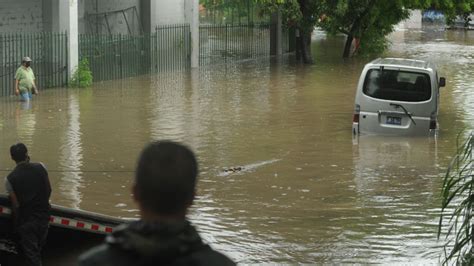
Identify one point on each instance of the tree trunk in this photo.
(306, 48)
(303, 43)
(303, 48)
(355, 27)
(347, 47)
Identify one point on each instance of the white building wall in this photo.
(21, 15)
(166, 12)
(46, 15)
(413, 22)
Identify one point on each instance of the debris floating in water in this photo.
(245, 168)
(233, 169)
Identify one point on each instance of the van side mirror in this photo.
(442, 82)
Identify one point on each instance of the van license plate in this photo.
(393, 120)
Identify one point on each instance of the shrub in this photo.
(82, 77)
(458, 205)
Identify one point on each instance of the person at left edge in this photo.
(25, 84)
(29, 191)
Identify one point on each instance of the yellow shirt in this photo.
(26, 77)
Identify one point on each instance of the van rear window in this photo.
(397, 85)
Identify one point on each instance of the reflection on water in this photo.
(167, 106)
(70, 160)
(281, 179)
(394, 178)
(25, 121)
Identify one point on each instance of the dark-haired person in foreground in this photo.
(29, 191)
(164, 189)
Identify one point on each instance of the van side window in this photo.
(397, 85)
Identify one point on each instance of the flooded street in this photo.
(303, 190)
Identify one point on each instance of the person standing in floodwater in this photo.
(29, 191)
(25, 84)
(164, 189)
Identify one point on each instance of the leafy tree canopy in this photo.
(365, 21)
(453, 8)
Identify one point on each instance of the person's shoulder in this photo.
(39, 166)
(104, 255)
(18, 71)
(12, 174)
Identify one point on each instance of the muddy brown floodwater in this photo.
(301, 190)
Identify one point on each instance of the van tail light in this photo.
(356, 116)
(433, 124)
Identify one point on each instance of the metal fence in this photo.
(223, 43)
(48, 52)
(171, 48)
(117, 56)
(114, 56)
(288, 40)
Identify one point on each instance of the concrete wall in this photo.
(117, 22)
(145, 7)
(413, 22)
(168, 12)
(48, 15)
(21, 16)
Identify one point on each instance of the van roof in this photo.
(402, 62)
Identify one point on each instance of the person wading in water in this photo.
(25, 84)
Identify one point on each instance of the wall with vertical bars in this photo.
(225, 43)
(48, 52)
(115, 56)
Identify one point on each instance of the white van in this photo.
(397, 96)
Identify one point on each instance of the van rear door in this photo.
(396, 101)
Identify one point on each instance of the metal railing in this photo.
(116, 56)
(48, 52)
(223, 43)
(171, 48)
(288, 40)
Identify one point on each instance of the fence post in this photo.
(225, 49)
(120, 55)
(2, 65)
(67, 58)
(275, 34)
(194, 24)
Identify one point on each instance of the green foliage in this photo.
(458, 206)
(369, 21)
(303, 14)
(82, 77)
(234, 11)
(376, 46)
(453, 8)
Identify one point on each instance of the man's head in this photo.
(165, 178)
(26, 61)
(19, 152)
